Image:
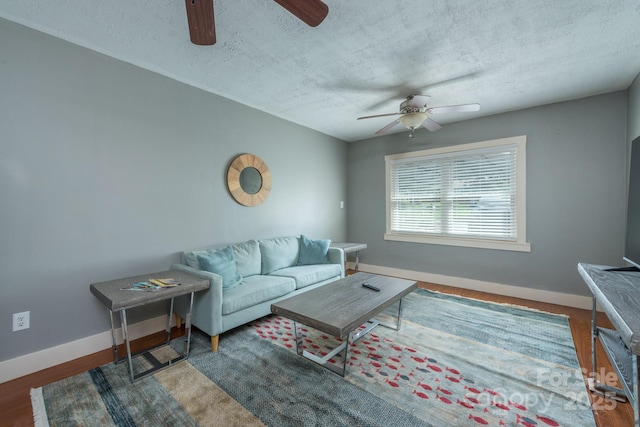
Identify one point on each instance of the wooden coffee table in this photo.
(340, 308)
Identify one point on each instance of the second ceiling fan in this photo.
(414, 113)
(202, 28)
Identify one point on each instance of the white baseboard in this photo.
(33, 362)
(569, 300)
(43, 359)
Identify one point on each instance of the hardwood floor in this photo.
(15, 403)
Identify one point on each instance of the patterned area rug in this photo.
(455, 362)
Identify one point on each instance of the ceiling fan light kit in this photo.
(412, 121)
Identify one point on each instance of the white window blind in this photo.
(467, 192)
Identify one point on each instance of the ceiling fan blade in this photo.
(431, 125)
(387, 127)
(465, 108)
(419, 101)
(378, 115)
(202, 29)
(311, 12)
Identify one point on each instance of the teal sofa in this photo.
(246, 278)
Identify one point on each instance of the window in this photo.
(467, 195)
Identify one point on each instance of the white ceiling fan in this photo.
(414, 113)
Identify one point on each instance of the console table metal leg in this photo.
(125, 335)
(114, 344)
(169, 322)
(594, 336)
(187, 328)
(357, 260)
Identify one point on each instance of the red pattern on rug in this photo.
(378, 359)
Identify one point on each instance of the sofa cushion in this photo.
(248, 261)
(313, 251)
(279, 253)
(254, 290)
(222, 262)
(305, 275)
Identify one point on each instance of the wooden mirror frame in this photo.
(239, 164)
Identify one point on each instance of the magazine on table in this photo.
(152, 285)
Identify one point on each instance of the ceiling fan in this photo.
(415, 113)
(202, 24)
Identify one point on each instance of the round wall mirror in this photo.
(249, 180)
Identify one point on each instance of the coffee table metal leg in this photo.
(398, 320)
(323, 361)
(298, 332)
(345, 364)
(346, 344)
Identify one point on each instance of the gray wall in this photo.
(108, 170)
(634, 109)
(576, 180)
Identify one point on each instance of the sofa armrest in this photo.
(336, 256)
(206, 314)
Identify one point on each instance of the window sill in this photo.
(466, 242)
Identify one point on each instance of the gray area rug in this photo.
(455, 362)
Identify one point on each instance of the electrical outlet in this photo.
(20, 321)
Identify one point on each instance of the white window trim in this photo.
(520, 245)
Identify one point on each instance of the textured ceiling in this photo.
(367, 55)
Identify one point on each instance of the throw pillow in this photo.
(313, 251)
(222, 262)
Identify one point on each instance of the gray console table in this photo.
(618, 293)
(110, 293)
(351, 247)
